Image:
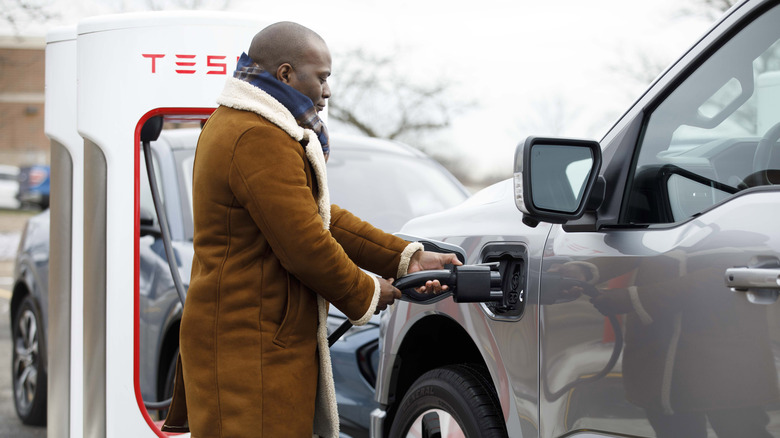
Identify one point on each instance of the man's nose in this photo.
(325, 91)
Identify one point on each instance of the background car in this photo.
(639, 273)
(34, 186)
(370, 177)
(9, 186)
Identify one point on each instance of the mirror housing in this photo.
(554, 177)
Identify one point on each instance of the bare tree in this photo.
(373, 96)
(18, 13)
(158, 5)
(645, 66)
(711, 9)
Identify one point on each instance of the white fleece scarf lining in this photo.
(241, 95)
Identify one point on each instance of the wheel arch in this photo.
(432, 342)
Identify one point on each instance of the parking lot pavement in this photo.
(11, 225)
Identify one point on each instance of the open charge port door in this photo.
(513, 268)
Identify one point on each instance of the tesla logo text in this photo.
(184, 64)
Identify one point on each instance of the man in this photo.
(271, 253)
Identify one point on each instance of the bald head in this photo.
(297, 56)
(283, 42)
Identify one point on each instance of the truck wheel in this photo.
(448, 402)
(29, 377)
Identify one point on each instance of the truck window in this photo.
(700, 146)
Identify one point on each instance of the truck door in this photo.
(672, 327)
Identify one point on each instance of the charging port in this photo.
(513, 269)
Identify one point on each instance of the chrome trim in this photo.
(376, 426)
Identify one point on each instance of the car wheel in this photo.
(448, 402)
(29, 377)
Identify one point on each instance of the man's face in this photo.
(310, 76)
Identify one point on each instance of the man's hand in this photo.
(427, 260)
(387, 293)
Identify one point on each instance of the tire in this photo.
(28, 375)
(453, 401)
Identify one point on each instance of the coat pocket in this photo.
(287, 326)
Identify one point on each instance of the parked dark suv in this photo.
(639, 274)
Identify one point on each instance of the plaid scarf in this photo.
(301, 107)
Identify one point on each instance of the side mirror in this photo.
(554, 178)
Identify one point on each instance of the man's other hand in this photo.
(387, 293)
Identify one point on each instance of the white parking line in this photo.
(5, 294)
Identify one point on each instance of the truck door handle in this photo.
(742, 279)
(762, 284)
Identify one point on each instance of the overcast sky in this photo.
(553, 67)
(533, 67)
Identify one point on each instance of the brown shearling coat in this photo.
(270, 252)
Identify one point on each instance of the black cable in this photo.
(169, 254)
(163, 219)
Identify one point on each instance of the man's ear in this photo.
(283, 73)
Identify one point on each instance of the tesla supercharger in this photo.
(64, 345)
(132, 67)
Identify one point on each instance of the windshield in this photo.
(382, 189)
(388, 190)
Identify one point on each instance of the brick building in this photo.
(22, 139)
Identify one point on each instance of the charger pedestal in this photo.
(117, 72)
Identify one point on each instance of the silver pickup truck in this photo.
(639, 274)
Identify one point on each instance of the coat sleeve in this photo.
(268, 177)
(369, 247)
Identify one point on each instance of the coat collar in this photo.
(241, 95)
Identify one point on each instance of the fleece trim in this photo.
(403, 267)
(406, 257)
(371, 308)
(326, 415)
(241, 95)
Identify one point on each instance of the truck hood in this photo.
(488, 212)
